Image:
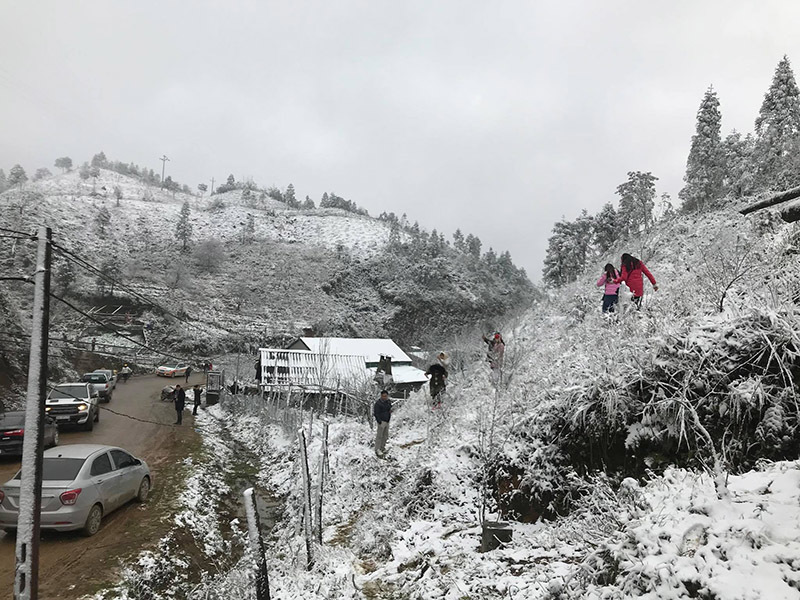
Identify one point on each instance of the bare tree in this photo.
(725, 263)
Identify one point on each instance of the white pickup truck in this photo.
(74, 404)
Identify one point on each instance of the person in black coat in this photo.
(438, 376)
(196, 391)
(383, 412)
(180, 402)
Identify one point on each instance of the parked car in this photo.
(81, 484)
(112, 377)
(74, 404)
(178, 370)
(12, 432)
(101, 383)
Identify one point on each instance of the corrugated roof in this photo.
(370, 348)
(406, 374)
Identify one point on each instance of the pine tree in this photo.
(41, 173)
(705, 167)
(458, 241)
(637, 201)
(739, 171)
(17, 176)
(102, 221)
(308, 204)
(183, 230)
(777, 142)
(3, 181)
(64, 163)
(99, 160)
(324, 202)
(290, 198)
(568, 250)
(473, 244)
(606, 228)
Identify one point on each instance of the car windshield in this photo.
(11, 420)
(72, 393)
(95, 378)
(59, 469)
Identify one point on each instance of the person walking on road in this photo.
(632, 274)
(197, 391)
(180, 402)
(188, 372)
(382, 412)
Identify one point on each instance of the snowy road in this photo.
(71, 565)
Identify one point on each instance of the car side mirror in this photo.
(137, 462)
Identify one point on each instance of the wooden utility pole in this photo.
(163, 160)
(307, 528)
(26, 574)
(212, 187)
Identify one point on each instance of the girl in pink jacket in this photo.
(632, 274)
(611, 291)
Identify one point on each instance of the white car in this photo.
(178, 370)
(73, 404)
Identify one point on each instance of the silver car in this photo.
(81, 484)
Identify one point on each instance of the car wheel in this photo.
(89, 425)
(93, 521)
(97, 415)
(144, 490)
(55, 437)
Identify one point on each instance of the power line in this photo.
(30, 236)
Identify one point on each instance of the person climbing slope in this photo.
(437, 373)
(611, 291)
(632, 273)
(497, 349)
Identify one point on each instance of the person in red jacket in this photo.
(631, 273)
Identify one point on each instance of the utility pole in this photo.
(163, 160)
(212, 187)
(26, 573)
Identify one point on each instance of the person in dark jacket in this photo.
(188, 372)
(382, 412)
(180, 402)
(437, 373)
(197, 391)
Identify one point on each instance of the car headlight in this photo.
(82, 407)
(47, 408)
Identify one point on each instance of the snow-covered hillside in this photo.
(651, 454)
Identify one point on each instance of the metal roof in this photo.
(370, 348)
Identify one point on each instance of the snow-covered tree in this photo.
(308, 203)
(209, 255)
(290, 198)
(3, 181)
(739, 168)
(568, 250)
(606, 228)
(118, 193)
(99, 160)
(777, 142)
(705, 166)
(84, 172)
(183, 230)
(41, 173)
(202, 188)
(473, 245)
(458, 240)
(17, 176)
(636, 202)
(102, 221)
(64, 163)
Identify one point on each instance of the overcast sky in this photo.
(497, 118)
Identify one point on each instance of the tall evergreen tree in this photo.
(739, 169)
(636, 202)
(102, 221)
(606, 228)
(473, 244)
(290, 198)
(458, 240)
(705, 166)
(183, 230)
(777, 131)
(17, 176)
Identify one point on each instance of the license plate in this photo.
(62, 418)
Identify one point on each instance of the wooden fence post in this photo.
(323, 461)
(307, 526)
(256, 545)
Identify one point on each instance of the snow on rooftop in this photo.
(371, 348)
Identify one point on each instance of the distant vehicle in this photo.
(101, 383)
(12, 432)
(81, 484)
(74, 404)
(112, 377)
(178, 370)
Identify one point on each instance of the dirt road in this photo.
(72, 565)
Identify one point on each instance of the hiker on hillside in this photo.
(611, 291)
(632, 274)
(383, 412)
(197, 391)
(497, 349)
(180, 402)
(437, 373)
(188, 372)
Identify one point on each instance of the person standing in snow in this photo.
(632, 273)
(383, 412)
(437, 373)
(197, 391)
(611, 291)
(180, 402)
(497, 349)
(188, 372)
